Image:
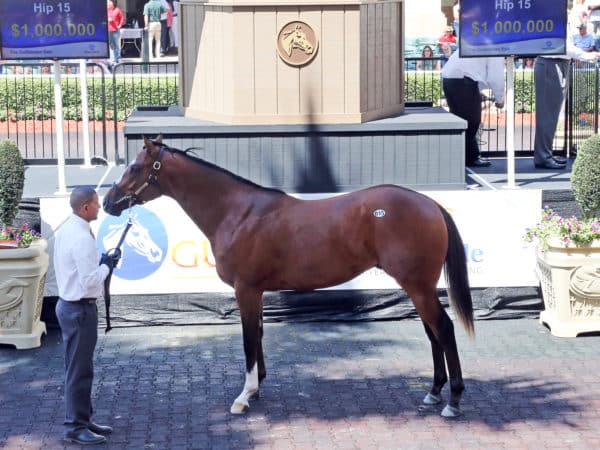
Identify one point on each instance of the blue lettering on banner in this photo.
(145, 246)
(474, 255)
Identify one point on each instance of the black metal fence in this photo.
(27, 106)
(579, 118)
(27, 109)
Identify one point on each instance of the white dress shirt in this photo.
(488, 72)
(76, 259)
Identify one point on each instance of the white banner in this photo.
(164, 252)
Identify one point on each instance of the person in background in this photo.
(165, 27)
(116, 19)
(583, 39)
(551, 74)
(462, 81)
(593, 14)
(175, 24)
(427, 63)
(456, 21)
(528, 63)
(448, 37)
(446, 50)
(80, 282)
(153, 11)
(579, 13)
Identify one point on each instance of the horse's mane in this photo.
(197, 160)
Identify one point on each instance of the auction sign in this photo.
(53, 29)
(513, 27)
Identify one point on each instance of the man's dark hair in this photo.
(80, 196)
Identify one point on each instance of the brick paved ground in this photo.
(329, 386)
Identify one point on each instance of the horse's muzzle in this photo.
(112, 207)
(109, 206)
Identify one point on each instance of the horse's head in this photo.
(139, 183)
(297, 39)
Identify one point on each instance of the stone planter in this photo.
(570, 280)
(22, 278)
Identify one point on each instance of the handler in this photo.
(462, 79)
(80, 283)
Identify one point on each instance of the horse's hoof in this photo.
(239, 407)
(432, 399)
(255, 396)
(451, 411)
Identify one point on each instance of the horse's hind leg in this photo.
(440, 376)
(439, 326)
(457, 385)
(250, 304)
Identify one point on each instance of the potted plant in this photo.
(23, 259)
(568, 253)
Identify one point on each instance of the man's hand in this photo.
(111, 259)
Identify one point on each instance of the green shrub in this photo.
(33, 98)
(12, 180)
(424, 86)
(585, 178)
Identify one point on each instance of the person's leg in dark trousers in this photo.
(464, 100)
(79, 327)
(164, 38)
(551, 77)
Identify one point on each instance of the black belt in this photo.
(465, 80)
(84, 300)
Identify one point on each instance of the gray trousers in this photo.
(79, 327)
(551, 83)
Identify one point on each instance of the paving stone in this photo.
(330, 386)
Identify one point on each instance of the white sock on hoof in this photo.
(240, 404)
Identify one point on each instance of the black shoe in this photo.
(84, 436)
(560, 159)
(550, 164)
(479, 163)
(99, 429)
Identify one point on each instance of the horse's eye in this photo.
(134, 169)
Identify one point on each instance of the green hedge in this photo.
(33, 98)
(427, 86)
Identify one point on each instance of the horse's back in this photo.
(308, 244)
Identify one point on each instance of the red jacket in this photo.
(115, 18)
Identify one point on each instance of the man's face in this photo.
(582, 31)
(91, 209)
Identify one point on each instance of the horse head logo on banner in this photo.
(145, 244)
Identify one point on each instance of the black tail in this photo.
(457, 279)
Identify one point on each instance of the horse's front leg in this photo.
(250, 304)
(262, 369)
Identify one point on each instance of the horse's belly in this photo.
(316, 274)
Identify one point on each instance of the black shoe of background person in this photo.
(479, 162)
(99, 429)
(551, 164)
(560, 159)
(83, 436)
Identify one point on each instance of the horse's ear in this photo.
(147, 142)
(159, 139)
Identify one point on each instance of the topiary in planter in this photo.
(585, 179)
(12, 179)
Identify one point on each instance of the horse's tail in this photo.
(456, 273)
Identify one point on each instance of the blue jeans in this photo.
(113, 40)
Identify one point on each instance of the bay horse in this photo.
(265, 240)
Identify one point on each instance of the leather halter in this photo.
(152, 180)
